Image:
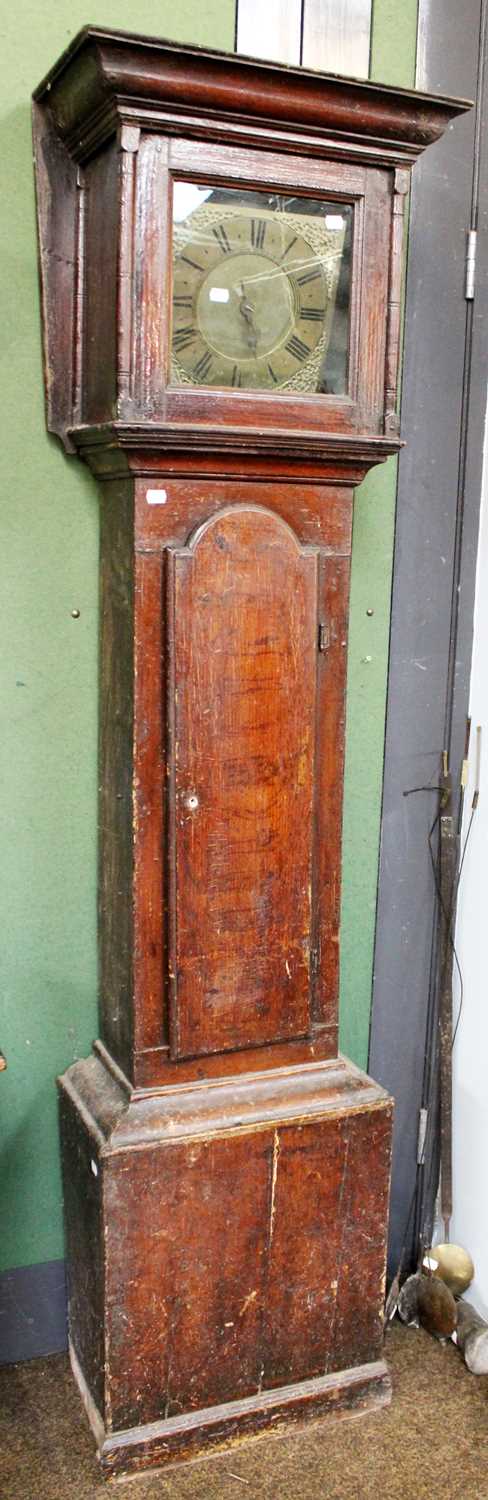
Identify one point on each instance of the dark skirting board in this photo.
(33, 1315)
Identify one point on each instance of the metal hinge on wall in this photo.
(471, 244)
(324, 636)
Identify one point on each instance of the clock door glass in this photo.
(261, 290)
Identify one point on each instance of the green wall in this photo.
(49, 526)
(393, 53)
(49, 540)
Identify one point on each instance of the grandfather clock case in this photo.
(220, 252)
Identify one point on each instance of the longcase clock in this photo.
(220, 249)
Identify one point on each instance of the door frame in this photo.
(438, 502)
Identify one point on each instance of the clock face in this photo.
(254, 289)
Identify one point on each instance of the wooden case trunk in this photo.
(233, 1270)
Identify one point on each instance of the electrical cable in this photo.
(449, 919)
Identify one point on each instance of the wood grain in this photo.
(243, 606)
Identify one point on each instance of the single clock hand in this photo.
(246, 310)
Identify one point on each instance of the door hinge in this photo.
(471, 244)
(324, 636)
(421, 1138)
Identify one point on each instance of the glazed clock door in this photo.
(256, 279)
(242, 626)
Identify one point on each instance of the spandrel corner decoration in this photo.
(220, 326)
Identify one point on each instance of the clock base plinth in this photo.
(226, 1250)
(203, 1434)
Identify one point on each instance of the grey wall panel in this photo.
(269, 29)
(476, 392)
(427, 558)
(336, 36)
(333, 35)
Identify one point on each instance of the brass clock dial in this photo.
(252, 298)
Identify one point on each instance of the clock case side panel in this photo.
(102, 185)
(83, 1210)
(85, 214)
(58, 226)
(116, 773)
